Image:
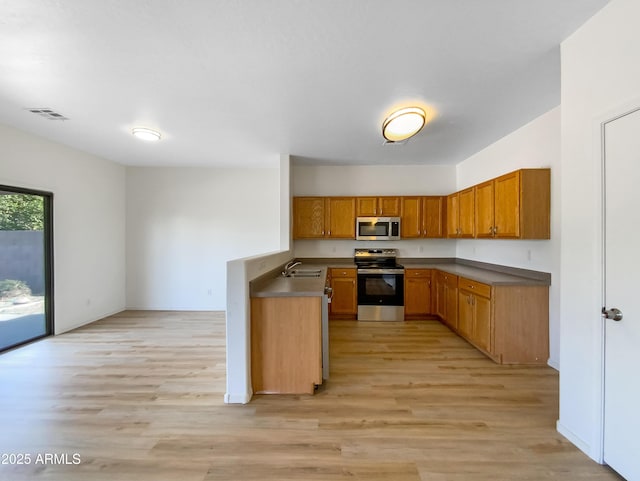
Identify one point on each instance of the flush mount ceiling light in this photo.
(403, 123)
(146, 134)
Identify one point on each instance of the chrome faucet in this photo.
(290, 265)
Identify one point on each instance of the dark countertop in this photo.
(486, 276)
(274, 285)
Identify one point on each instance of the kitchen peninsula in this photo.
(502, 311)
(289, 332)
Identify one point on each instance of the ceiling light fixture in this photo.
(403, 123)
(146, 134)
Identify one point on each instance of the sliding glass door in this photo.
(25, 266)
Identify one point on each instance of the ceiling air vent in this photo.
(48, 114)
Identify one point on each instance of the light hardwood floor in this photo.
(138, 396)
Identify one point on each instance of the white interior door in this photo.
(622, 291)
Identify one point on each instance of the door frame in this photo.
(622, 111)
(48, 259)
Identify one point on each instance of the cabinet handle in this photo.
(495, 229)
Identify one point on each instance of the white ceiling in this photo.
(237, 82)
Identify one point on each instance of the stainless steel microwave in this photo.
(378, 228)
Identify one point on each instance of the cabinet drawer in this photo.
(413, 273)
(450, 280)
(348, 272)
(478, 288)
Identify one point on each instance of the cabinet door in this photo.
(482, 322)
(344, 300)
(411, 223)
(432, 212)
(417, 293)
(484, 210)
(466, 214)
(452, 215)
(440, 301)
(367, 206)
(465, 314)
(341, 214)
(389, 206)
(507, 206)
(308, 217)
(451, 300)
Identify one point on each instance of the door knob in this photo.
(613, 313)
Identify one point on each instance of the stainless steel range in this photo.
(380, 285)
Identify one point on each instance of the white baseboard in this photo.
(554, 363)
(578, 442)
(83, 323)
(237, 398)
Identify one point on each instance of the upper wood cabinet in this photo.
(423, 216)
(324, 217)
(341, 217)
(514, 206)
(378, 206)
(485, 217)
(461, 214)
(308, 217)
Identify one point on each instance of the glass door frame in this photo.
(48, 260)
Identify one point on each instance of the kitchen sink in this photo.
(304, 273)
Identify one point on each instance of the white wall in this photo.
(89, 227)
(365, 180)
(239, 273)
(373, 180)
(536, 144)
(285, 202)
(600, 78)
(184, 224)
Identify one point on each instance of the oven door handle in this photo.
(380, 271)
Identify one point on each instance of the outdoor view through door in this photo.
(25, 266)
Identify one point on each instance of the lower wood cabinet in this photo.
(446, 298)
(417, 293)
(508, 323)
(286, 344)
(344, 300)
(474, 313)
